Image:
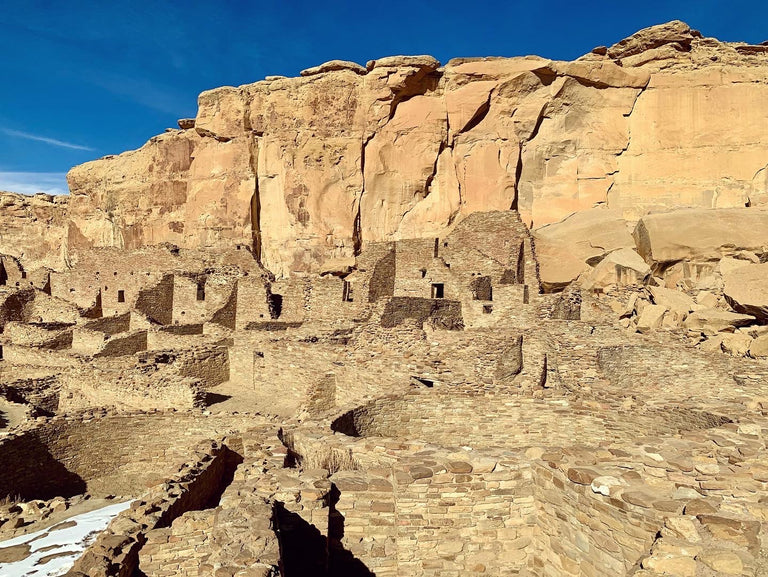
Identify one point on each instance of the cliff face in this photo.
(33, 229)
(303, 170)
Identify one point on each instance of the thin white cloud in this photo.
(32, 182)
(51, 141)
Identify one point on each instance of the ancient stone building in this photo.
(436, 320)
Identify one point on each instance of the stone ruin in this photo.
(476, 396)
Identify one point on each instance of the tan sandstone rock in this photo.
(746, 290)
(621, 267)
(700, 235)
(566, 248)
(715, 320)
(306, 170)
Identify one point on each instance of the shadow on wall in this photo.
(304, 550)
(36, 474)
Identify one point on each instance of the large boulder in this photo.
(565, 249)
(746, 290)
(673, 300)
(711, 321)
(622, 267)
(701, 234)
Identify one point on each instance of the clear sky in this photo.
(81, 79)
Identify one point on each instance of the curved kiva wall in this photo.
(108, 455)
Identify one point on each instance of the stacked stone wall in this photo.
(113, 454)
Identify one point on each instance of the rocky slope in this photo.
(303, 170)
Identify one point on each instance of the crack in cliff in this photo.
(357, 229)
(255, 208)
(477, 117)
(628, 116)
(431, 177)
(518, 176)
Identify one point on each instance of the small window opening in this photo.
(487, 309)
(1, 352)
(346, 294)
(438, 290)
(121, 296)
(275, 304)
(3, 275)
(445, 244)
(23, 274)
(201, 290)
(437, 247)
(423, 272)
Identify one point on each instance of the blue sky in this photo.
(82, 79)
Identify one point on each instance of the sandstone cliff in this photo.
(303, 170)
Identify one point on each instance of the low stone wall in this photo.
(115, 553)
(435, 516)
(104, 454)
(209, 365)
(124, 344)
(18, 355)
(584, 533)
(88, 388)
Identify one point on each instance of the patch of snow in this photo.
(69, 542)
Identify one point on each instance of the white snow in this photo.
(70, 542)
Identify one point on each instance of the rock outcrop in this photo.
(304, 170)
(33, 229)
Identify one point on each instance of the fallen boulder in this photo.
(566, 248)
(622, 267)
(711, 321)
(701, 234)
(746, 290)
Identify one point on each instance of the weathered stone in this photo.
(712, 321)
(746, 290)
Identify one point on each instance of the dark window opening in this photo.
(437, 247)
(487, 309)
(423, 272)
(346, 294)
(438, 290)
(445, 244)
(23, 274)
(275, 303)
(201, 290)
(3, 275)
(1, 352)
(120, 296)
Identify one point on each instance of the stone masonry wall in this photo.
(113, 454)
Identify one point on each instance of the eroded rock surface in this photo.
(304, 170)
